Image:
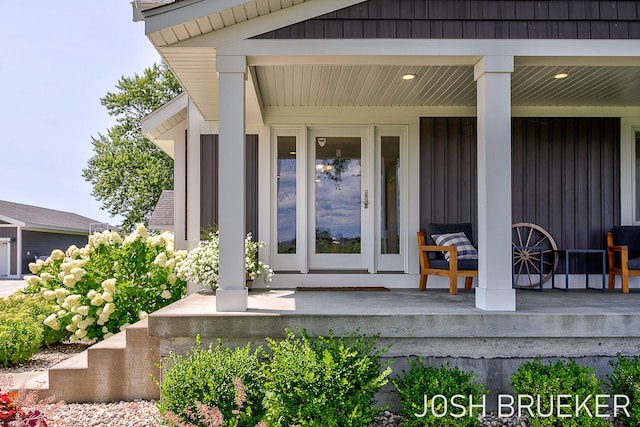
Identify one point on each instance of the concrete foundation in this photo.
(590, 327)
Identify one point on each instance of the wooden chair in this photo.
(623, 255)
(433, 262)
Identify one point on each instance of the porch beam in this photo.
(493, 77)
(581, 52)
(232, 294)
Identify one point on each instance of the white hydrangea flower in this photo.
(91, 294)
(109, 285)
(125, 326)
(142, 314)
(73, 251)
(46, 277)
(49, 295)
(142, 231)
(73, 299)
(57, 254)
(71, 327)
(83, 310)
(107, 296)
(32, 280)
(78, 272)
(161, 259)
(165, 294)
(108, 308)
(97, 300)
(69, 280)
(34, 268)
(52, 322)
(80, 333)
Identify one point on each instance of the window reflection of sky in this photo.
(338, 203)
(286, 200)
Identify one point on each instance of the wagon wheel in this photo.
(528, 240)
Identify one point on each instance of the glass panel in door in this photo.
(337, 205)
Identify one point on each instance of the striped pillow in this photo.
(465, 248)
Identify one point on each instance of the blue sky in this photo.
(58, 58)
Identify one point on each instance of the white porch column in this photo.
(232, 294)
(192, 195)
(493, 77)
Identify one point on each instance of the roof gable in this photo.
(43, 218)
(226, 21)
(162, 216)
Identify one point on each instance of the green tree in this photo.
(127, 171)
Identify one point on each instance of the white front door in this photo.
(340, 198)
(4, 257)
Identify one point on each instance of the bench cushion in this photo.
(463, 264)
(634, 264)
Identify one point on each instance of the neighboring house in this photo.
(162, 216)
(28, 232)
(336, 129)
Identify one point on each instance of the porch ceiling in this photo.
(376, 86)
(317, 85)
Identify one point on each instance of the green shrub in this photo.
(625, 380)
(20, 337)
(38, 308)
(325, 382)
(418, 387)
(207, 377)
(551, 380)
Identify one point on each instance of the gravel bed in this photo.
(45, 358)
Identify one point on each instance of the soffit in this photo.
(377, 86)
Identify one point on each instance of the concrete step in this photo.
(118, 368)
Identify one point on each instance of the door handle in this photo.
(366, 199)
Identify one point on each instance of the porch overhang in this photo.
(190, 34)
(158, 125)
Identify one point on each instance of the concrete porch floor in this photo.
(413, 301)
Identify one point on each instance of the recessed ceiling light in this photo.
(561, 75)
(292, 153)
(408, 76)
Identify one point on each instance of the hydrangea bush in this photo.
(109, 284)
(202, 263)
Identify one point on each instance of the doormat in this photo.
(342, 288)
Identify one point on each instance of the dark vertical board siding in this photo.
(251, 165)
(456, 19)
(564, 175)
(209, 182)
(448, 191)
